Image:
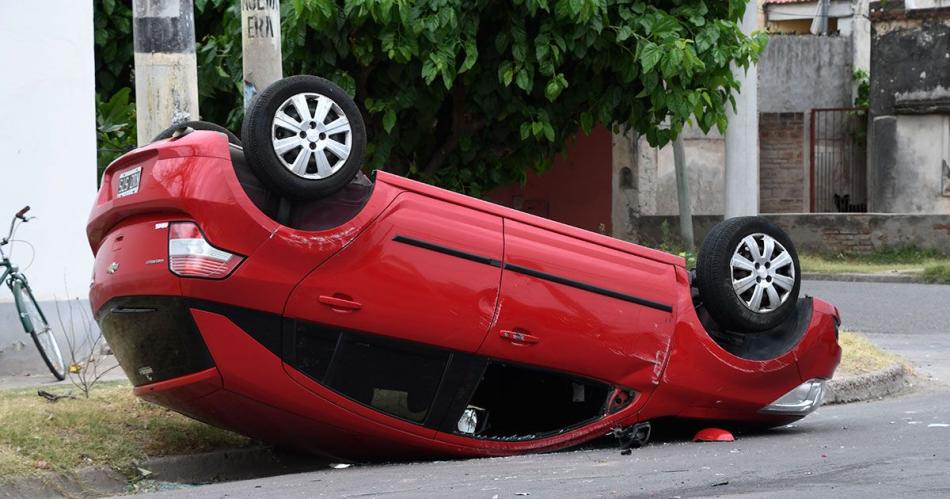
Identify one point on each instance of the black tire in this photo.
(34, 322)
(313, 182)
(715, 275)
(198, 125)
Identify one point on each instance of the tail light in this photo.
(190, 255)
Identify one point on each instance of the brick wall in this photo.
(830, 233)
(781, 162)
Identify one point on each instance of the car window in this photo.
(398, 378)
(521, 403)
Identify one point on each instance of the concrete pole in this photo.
(166, 71)
(742, 138)
(260, 37)
(861, 40)
(682, 192)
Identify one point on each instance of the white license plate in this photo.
(129, 182)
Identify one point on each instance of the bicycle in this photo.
(31, 316)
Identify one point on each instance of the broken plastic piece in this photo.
(713, 435)
(632, 437)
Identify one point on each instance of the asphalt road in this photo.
(874, 449)
(910, 319)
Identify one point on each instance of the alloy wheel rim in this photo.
(311, 136)
(763, 273)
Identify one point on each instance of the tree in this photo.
(470, 94)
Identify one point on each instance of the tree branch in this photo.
(459, 128)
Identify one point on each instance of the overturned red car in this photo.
(276, 291)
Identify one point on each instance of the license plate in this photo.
(129, 182)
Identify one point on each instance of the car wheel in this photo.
(198, 125)
(748, 274)
(304, 137)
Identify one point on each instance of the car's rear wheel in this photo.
(198, 125)
(304, 137)
(748, 274)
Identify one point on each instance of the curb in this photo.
(859, 277)
(870, 386)
(229, 465)
(209, 467)
(85, 482)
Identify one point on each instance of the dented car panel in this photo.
(421, 323)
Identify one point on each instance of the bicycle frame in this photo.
(9, 269)
(11, 273)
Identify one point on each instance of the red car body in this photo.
(451, 282)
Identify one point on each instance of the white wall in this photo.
(47, 139)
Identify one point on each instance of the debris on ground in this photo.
(52, 397)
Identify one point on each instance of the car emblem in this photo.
(113, 267)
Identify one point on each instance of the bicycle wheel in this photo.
(34, 322)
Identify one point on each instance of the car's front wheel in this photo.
(748, 274)
(304, 137)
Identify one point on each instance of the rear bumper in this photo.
(155, 339)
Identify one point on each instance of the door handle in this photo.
(340, 304)
(519, 337)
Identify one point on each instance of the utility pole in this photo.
(166, 71)
(742, 137)
(682, 193)
(819, 25)
(260, 38)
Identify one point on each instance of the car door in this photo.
(578, 307)
(419, 273)
(380, 321)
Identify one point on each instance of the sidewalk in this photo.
(37, 375)
(900, 276)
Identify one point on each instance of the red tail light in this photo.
(190, 255)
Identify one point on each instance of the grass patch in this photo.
(111, 428)
(906, 259)
(860, 356)
(937, 273)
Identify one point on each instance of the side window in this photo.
(398, 378)
(313, 349)
(519, 403)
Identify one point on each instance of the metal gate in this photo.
(838, 175)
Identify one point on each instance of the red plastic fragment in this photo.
(713, 435)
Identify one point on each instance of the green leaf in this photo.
(429, 71)
(524, 80)
(471, 56)
(537, 128)
(506, 73)
(649, 56)
(552, 90)
(587, 122)
(549, 132)
(624, 33)
(389, 120)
